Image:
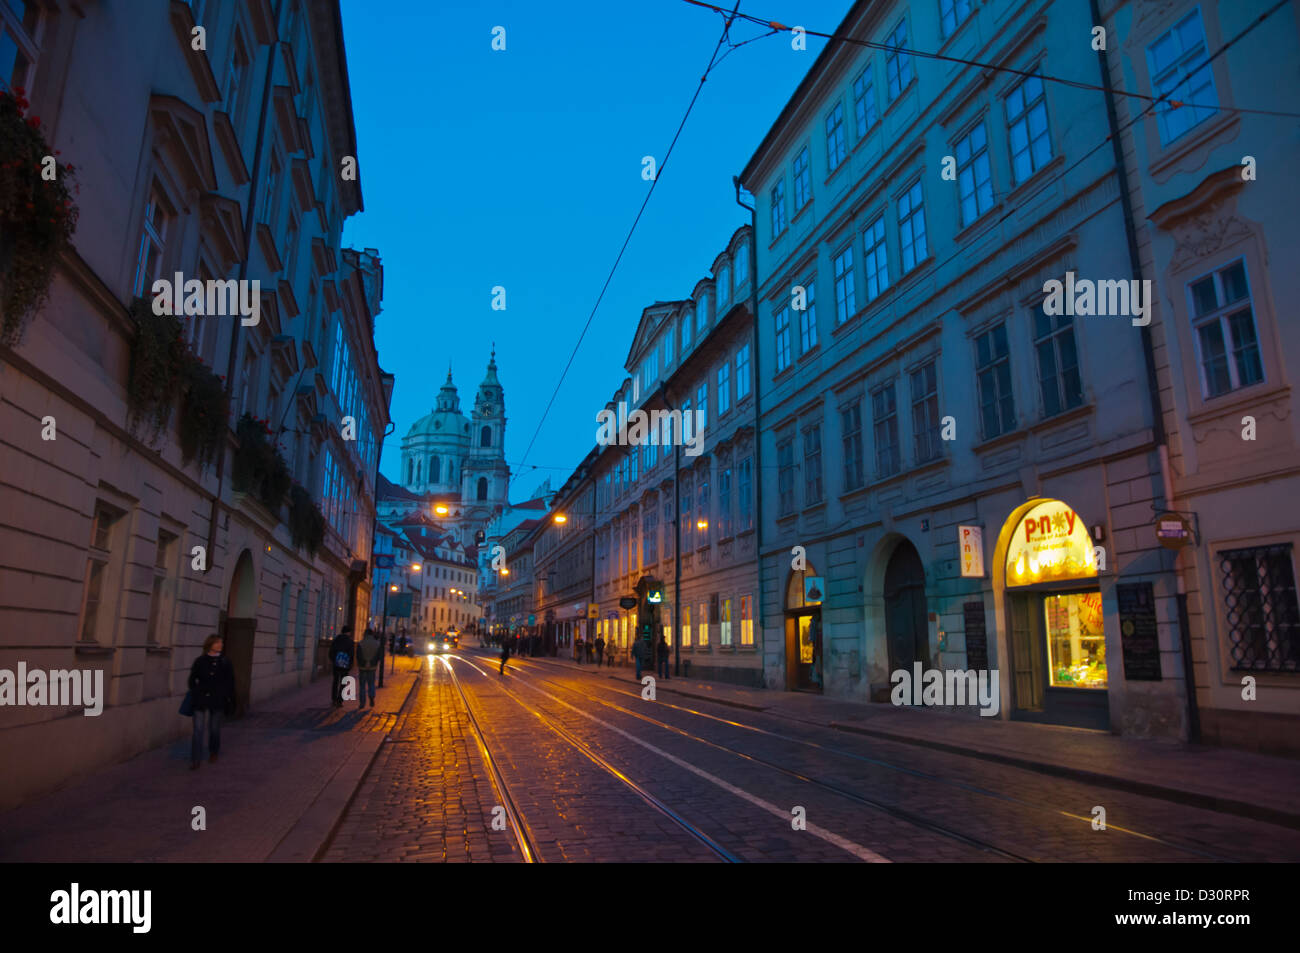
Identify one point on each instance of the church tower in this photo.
(486, 476)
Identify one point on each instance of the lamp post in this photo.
(391, 587)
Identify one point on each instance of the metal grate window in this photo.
(1260, 599)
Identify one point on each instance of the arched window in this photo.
(482, 488)
(485, 438)
(434, 467)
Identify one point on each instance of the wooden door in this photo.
(1028, 680)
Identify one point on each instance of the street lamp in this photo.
(561, 518)
(415, 567)
(441, 509)
(701, 524)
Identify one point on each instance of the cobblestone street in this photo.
(596, 773)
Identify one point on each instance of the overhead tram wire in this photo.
(713, 61)
(778, 27)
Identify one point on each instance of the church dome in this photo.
(444, 426)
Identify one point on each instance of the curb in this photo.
(304, 842)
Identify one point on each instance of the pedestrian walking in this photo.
(505, 654)
(580, 646)
(370, 654)
(600, 650)
(342, 652)
(212, 697)
(663, 658)
(639, 655)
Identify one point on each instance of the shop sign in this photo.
(1049, 543)
(1172, 531)
(627, 602)
(593, 610)
(814, 590)
(971, 540)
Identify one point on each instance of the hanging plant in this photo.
(204, 411)
(275, 485)
(259, 468)
(37, 215)
(306, 521)
(158, 355)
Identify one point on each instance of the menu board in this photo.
(977, 639)
(1137, 631)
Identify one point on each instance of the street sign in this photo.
(593, 610)
(627, 602)
(384, 561)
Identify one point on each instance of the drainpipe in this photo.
(757, 478)
(243, 275)
(1153, 389)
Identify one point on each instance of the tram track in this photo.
(516, 818)
(898, 811)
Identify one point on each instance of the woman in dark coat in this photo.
(212, 696)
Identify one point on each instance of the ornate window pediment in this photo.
(181, 133)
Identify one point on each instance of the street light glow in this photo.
(561, 518)
(393, 587)
(415, 567)
(701, 524)
(441, 509)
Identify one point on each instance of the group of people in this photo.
(641, 655)
(211, 686)
(368, 654)
(585, 649)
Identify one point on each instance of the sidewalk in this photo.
(286, 774)
(1257, 786)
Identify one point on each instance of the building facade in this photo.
(1215, 235)
(956, 473)
(121, 553)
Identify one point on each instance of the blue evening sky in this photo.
(522, 168)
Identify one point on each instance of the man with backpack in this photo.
(342, 650)
(370, 653)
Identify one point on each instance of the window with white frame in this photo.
(778, 207)
(704, 625)
(1058, 362)
(1180, 71)
(702, 315)
(235, 93)
(19, 26)
(688, 321)
(153, 239)
(103, 558)
(812, 461)
(864, 101)
(952, 14)
(884, 410)
(783, 339)
(746, 620)
(702, 402)
(876, 260)
(724, 388)
(836, 147)
(808, 317)
(724, 624)
(911, 227)
(925, 413)
(741, 262)
(1031, 146)
(724, 287)
(993, 377)
(898, 62)
(802, 180)
(974, 178)
(686, 626)
(1226, 340)
(845, 289)
(785, 477)
(851, 428)
(742, 371)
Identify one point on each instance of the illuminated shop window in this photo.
(1076, 644)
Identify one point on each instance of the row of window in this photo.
(635, 464)
(106, 574)
(694, 323)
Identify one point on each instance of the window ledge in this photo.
(158, 650)
(1061, 417)
(94, 649)
(1039, 177)
(902, 93)
(786, 371)
(1212, 408)
(983, 219)
(807, 355)
(870, 130)
(1011, 436)
(1224, 124)
(849, 496)
(777, 237)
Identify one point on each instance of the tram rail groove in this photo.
(581, 746)
(523, 836)
(974, 789)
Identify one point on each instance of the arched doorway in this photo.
(240, 628)
(804, 593)
(906, 629)
(1045, 571)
